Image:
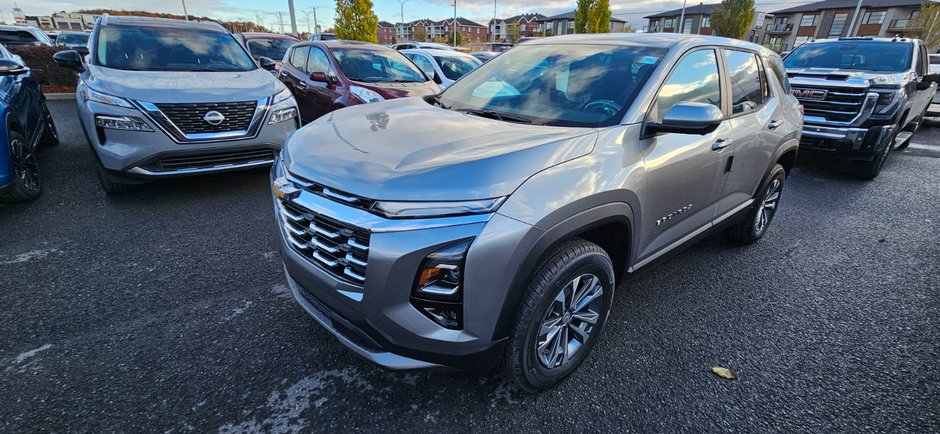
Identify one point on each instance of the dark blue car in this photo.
(26, 127)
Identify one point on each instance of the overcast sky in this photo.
(388, 10)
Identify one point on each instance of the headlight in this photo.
(127, 123)
(282, 96)
(88, 94)
(281, 115)
(436, 209)
(438, 290)
(887, 100)
(366, 95)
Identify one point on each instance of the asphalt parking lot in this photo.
(166, 310)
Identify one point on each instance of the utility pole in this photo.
(401, 3)
(280, 20)
(852, 27)
(680, 25)
(185, 14)
(293, 18)
(260, 20)
(455, 23)
(494, 21)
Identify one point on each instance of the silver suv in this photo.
(489, 225)
(160, 98)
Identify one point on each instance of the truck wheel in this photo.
(111, 184)
(871, 169)
(764, 209)
(561, 316)
(26, 183)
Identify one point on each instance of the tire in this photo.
(870, 170)
(111, 184)
(764, 209)
(27, 183)
(50, 135)
(575, 265)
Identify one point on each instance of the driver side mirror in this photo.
(436, 78)
(689, 118)
(81, 49)
(69, 59)
(266, 63)
(12, 67)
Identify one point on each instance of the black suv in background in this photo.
(862, 97)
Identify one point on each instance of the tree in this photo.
(627, 28)
(513, 33)
(419, 34)
(581, 16)
(927, 25)
(355, 20)
(599, 17)
(733, 18)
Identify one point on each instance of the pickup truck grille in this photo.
(339, 248)
(837, 105)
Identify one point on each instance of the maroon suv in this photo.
(329, 75)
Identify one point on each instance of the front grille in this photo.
(338, 248)
(189, 117)
(841, 105)
(213, 160)
(333, 194)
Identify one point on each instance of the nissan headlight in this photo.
(89, 94)
(393, 209)
(366, 95)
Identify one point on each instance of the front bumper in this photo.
(154, 154)
(846, 142)
(376, 319)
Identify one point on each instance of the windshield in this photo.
(170, 49)
(270, 48)
(455, 67)
(579, 85)
(72, 39)
(866, 56)
(375, 65)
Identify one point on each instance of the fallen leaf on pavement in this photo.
(724, 373)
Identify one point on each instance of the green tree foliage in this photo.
(355, 20)
(733, 18)
(927, 25)
(581, 16)
(419, 34)
(599, 17)
(513, 33)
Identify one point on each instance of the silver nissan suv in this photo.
(489, 225)
(160, 98)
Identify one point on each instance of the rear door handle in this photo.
(721, 144)
(775, 124)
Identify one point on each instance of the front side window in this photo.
(17, 37)
(170, 49)
(317, 61)
(455, 67)
(694, 79)
(423, 63)
(743, 71)
(376, 65)
(72, 39)
(853, 55)
(270, 48)
(569, 85)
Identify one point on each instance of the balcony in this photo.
(779, 28)
(899, 24)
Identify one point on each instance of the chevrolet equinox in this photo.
(487, 226)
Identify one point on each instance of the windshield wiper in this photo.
(437, 102)
(496, 115)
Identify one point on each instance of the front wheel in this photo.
(26, 183)
(561, 316)
(764, 209)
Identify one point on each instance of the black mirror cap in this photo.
(81, 49)
(69, 59)
(266, 63)
(689, 118)
(12, 67)
(437, 79)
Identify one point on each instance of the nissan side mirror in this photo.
(69, 59)
(319, 77)
(689, 118)
(12, 67)
(266, 63)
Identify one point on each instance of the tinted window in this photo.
(17, 37)
(455, 67)
(581, 85)
(694, 79)
(317, 62)
(298, 57)
(72, 39)
(170, 49)
(746, 91)
(376, 64)
(423, 63)
(271, 48)
(934, 59)
(867, 56)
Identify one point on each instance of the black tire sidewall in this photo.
(18, 191)
(777, 172)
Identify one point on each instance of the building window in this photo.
(838, 24)
(808, 20)
(670, 23)
(687, 26)
(706, 22)
(915, 14)
(800, 40)
(874, 17)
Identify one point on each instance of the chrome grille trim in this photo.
(171, 129)
(336, 247)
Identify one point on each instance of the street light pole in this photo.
(401, 3)
(852, 27)
(494, 21)
(680, 25)
(293, 18)
(185, 14)
(455, 23)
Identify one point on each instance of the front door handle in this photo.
(302, 85)
(775, 124)
(721, 144)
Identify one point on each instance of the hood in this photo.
(183, 86)
(407, 149)
(877, 79)
(401, 90)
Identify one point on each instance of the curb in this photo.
(59, 96)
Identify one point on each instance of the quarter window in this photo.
(298, 57)
(744, 73)
(694, 79)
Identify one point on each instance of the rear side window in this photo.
(694, 79)
(298, 57)
(317, 62)
(747, 93)
(17, 37)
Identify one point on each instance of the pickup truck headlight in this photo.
(89, 94)
(365, 95)
(886, 101)
(436, 209)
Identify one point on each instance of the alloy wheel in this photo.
(768, 206)
(570, 320)
(25, 165)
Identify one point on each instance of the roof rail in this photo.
(104, 19)
(856, 38)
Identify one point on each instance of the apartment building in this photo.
(697, 21)
(386, 33)
(470, 31)
(527, 26)
(792, 27)
(59, 21)
(563, 24)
